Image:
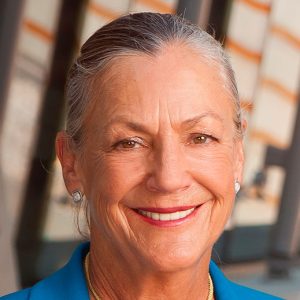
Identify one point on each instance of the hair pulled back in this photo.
(145, 33)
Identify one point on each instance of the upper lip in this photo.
(166, 209)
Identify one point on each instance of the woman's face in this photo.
(160, 158)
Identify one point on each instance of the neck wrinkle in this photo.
(112, 279)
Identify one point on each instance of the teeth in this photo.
(154, 216)
(166, 217)
(175, 216)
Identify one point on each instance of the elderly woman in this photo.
(153, 145)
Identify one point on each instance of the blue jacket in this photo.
(69, 283)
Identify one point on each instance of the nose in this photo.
(169, 171)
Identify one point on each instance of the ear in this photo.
(69, 163)
(239, 155)
(239, 160)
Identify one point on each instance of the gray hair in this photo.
(138, 33)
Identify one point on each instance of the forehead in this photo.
(177, 83)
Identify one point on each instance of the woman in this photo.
(153, 143)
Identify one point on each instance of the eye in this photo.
(202, 139)
(130, 143)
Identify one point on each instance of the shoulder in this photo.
(228, 290)
(20, 295)
(67, 283)
(248, 293)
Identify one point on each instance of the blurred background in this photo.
(38, 41)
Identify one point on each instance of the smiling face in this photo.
(160, 159)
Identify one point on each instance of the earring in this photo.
(237, 186)
(77, 197)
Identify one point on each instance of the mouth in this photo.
(167, 216)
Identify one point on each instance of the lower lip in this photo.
(170, 223)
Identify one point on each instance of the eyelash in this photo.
(135, 142)
(205, 136)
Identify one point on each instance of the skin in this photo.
(160, 134)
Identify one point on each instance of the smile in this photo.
(177, 215)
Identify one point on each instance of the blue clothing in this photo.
(69, 283)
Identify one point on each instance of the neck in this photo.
(116, 277)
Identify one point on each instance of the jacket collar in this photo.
(67, 283)
(222, 286)
(70, 283)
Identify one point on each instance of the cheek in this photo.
(214, 169)
(110, 181)
(112, 177)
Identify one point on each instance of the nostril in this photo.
(167, 184)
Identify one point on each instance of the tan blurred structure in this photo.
(264, 43)
(10, 13)
(266, 57)
(261, 36)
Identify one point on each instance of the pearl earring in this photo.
(77, 197)
(237, 186)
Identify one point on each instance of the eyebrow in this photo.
(197, 119)
(128, 123)
(139, 127)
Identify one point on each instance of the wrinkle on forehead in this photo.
(146, 86)
(127, 123)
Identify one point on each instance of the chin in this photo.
(177, 258)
